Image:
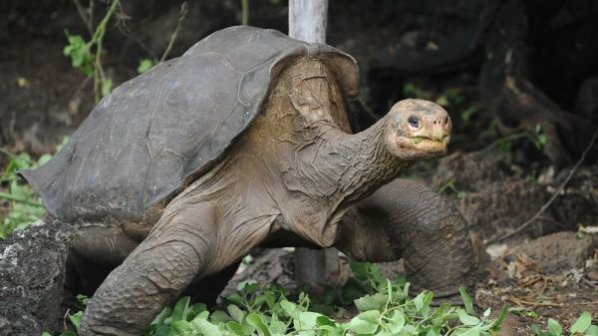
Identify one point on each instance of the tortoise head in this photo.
(417, 129)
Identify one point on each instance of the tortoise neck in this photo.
(341, 168)
(364, 163)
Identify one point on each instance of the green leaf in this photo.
(324, 321)
(422, 302)
(144, 65)
(236, 328)
(79, 52)
(397, 322)
(236, 298)
(365, 323)
(76, 319)
(474, 331)
(467, 301)
(290, 309)
(306, 320)
(467, 319)
(195, 310)
(554, 327)
(582, 324)
(236, 313)
(501, 317)
(182, 327)
(205, 327)
(220, 316)
(251, 287)
(44, 159)
(371, 302)
(359, 269)
(106, 86)
(530, 314)
(181, 309)
(592, 331)
(276, 326)
(433, 332)
(256, 320)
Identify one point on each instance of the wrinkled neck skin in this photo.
(340, 168)
(326, 171)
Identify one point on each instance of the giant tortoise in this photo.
(181, 171)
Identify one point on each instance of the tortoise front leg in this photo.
(155, 273)
(406, 219)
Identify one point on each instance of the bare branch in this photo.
(123, 27)
(86, 19)
(184, 11)
(554, 196)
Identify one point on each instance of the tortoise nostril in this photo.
(413, 121)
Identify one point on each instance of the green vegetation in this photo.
(537, 137)
(145, 64)
(24, 207)
(449, 186)
(583, 326)
(383, 308)
(87, 56)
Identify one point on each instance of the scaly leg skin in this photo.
(155, 273)
(406, 219)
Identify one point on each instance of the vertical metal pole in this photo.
(307, 22)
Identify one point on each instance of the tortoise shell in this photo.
(148, 139)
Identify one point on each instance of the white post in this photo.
(307, 22)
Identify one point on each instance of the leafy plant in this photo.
(87, 56)
(583, 326)
(386, 309)
(268, 311)
(145, 64)
(81, 56)
(24, 207)
(537, 137)
(450, 186)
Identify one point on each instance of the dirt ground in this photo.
(536, 273)
(555, 276)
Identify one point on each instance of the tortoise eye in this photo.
(413, 121)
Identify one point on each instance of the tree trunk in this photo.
(307, 22)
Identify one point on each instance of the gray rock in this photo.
(32, 275)
(559, 252)
(4, 327)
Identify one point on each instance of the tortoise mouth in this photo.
(421, 146)
(426, 141)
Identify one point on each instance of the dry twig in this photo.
(554, 196)
(184, 11)
(86, 18)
